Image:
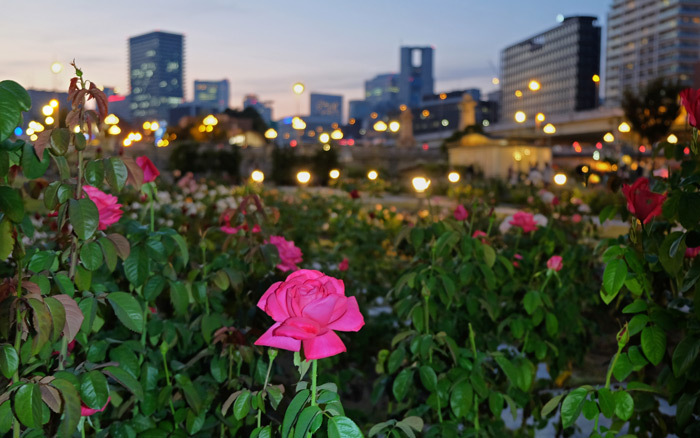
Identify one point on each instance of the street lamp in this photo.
(549, 129)
(298, 123)
(624, 127)
(520, 117)
(453, 177)
(534, 85)
(672, 139)
(372, 175)
(334, 174)
(303, 177)
(380, 126)
(608, 137)
(337, 134)
(56, 67)
(270, 134)
(560, 179)
(257, 176)
(420, 184)
(324, 137)
(298, 88)
(394, 126)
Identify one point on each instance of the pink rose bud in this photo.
(344, 265)
(461, 213)
(150, 171)
(555, 263)
(290, 255)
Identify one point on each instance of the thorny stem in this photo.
(612, 366)
(472, 342)
(314, 370)
(18, 340)
(78, 195)
(267, 379)
(167, 378)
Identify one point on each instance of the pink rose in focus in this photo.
(344, 265)
(108, 209)
(461, 213)
(290, 255)
(307, 307)
(576, 218)
(692, 252)
(86, 411)
(524, 220)
(150, 171)
(555, 263)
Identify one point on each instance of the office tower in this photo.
(647, 39)
(156, 72)
(214, 94)
(552, 72)
(382, 93)
(358, 109)
(326, 108)
(416, 76)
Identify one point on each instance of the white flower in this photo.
(584, 208)
(505, 225)
(546, 196)
(540, 220)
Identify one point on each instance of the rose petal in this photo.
(349, 321)
(326, 345)
(270, 290)
(268, 339)
(298, 328)
(321, 310)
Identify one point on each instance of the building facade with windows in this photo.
(416, 75)
(156, 73)
(382, 93)
(647, 39)
(561, 62)
(214, 94)
(326, 108)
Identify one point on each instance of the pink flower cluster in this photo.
(290, 255)
(109, 211)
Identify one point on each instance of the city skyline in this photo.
(263, 48)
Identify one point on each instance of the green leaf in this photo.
(295, 406)
(91, 256)
(571, 406)
(624, 405)
(623, 367)
(42, 324)
(7, 239)
(95, 172)
(614, 276)
(71, 407)
(637, 323)
(306, 418)
(654, 344)
(9, 361)
(673, 263)
(84, 217)
(343, 427)
(59, 141)
(395, 359)
(590, 409)
(127, 309)
(137, 266)
(688, 213)
(194, 400)
(402, 383)
(184, 252)
(6, 417)
(532, 301)
(461, 398)
(116, 173)
(606, 400)
(496, 403)
(19, 95)
(551, 405)
(32, 167)
(58, 316)
(686, 405)
(11, 204)
(607, 213)
(552, 324)
(428, 378)
(635, 307)
(685, 354)
(94, 390)
(28, 405)
(179, 297)
(126, 380)
(241, 406)
(489, 255)
(109, 252)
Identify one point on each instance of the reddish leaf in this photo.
(41, 143)
(32, 288)
(135, 177)
(91, 119)
(79, 98)
(52, 398)
(74, 316)
(73, 119)
(73, 85)
(101, 99)
(121, 244)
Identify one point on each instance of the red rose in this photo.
(690, 99)
(555, 263)
(109, 211)
(461, 213)
(642, 202)
(344, 265)
(307, 308)
(354, 194)
(150, 171)
(290, 255)
(524, 220)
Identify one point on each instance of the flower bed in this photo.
(128, 306)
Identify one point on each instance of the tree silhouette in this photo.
(653, 109)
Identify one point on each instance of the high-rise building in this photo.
(358, 109)
(212, 93)
(416, 76)
(648, 39)
(327, 108)
(263, 108)
(552, 72)
(156, 72)
(382, 93)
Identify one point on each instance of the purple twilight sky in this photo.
(264, 46)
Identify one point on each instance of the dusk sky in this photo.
(264, 46)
